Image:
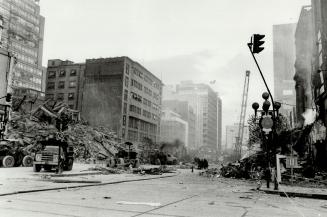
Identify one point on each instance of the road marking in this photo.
(168, 204)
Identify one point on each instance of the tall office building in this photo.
(203, 101)
(219, 123)
(23, 36)
(284, 59)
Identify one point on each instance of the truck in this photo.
(54, 155)
(124, 157)
(13, 155)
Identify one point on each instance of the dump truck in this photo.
(54, 155)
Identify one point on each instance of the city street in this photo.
(186, 194)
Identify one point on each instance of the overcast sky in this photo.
(200, 40)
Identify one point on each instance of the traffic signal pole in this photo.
(273, 113)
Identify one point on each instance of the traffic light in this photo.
(257, 43)
(8, 97)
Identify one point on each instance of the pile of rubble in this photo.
(53, 118)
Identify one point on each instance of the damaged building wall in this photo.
(304, 49)
(102, 93)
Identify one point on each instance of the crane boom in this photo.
(239, 138)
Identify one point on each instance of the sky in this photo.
(199, 40)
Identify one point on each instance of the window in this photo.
(125, 94)
(60, 96)
(72, 84)
(127, 69)
(124, 120)
(71, 96)
(126, 81)
(49, 96)
(125, 108)
(73, 72)
(61, 84)
(62, 73)
(51, 74)
(51, 85)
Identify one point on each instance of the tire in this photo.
(8, 161)
(27, 161)
(111, 162)
(36, 168)
(70, 165)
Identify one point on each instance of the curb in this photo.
(296, 194)
(89, 185)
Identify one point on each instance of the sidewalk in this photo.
(23, 180)
(296, 191)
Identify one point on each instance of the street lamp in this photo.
(267, 123)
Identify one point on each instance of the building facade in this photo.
(219, 124)
(65, 82)
(23, 36)
(187, 114)
(303, 63)
(203, 101)
(173, 127)
(283, 60)
(121, 94)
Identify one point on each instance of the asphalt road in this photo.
(184, 195)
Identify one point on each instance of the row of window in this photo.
(136, 97)
(27, 59)
(138, 110)
(28, 25)
(14, 36)
(136, 84)
(135, 109)
(61, 96)
(62, 73)
(28, 16)
(18, 83)
(21, 30)
(24, 49)
(29, 69)
(26, 6)
(28, 77)
(145, 77)
(61, 85)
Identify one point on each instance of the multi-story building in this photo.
(187, 114)
(303, 62)
(284, 59)
(219, 124)
(319, 60)
(203, 101)
(121, 94)
(232, 134)
(23, 36)
(173, 128)
(65, 82)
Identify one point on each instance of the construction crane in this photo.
(239, 138)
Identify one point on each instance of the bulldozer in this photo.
(13, 155)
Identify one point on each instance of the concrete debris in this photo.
(107, 170)
(74, 181)
(52, 118)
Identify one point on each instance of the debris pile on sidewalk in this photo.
(212, 172)
(53, 118)
(106, 170)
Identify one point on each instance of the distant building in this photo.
(173, 127)
(284, 59)
(219, 123)
(64, 82)
(203, 101)
(232, 133)
(187, 114)
(121, 94)
(23, 36)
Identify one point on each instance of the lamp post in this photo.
(267, 123)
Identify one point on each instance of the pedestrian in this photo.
(258, 177)
(192, 168)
